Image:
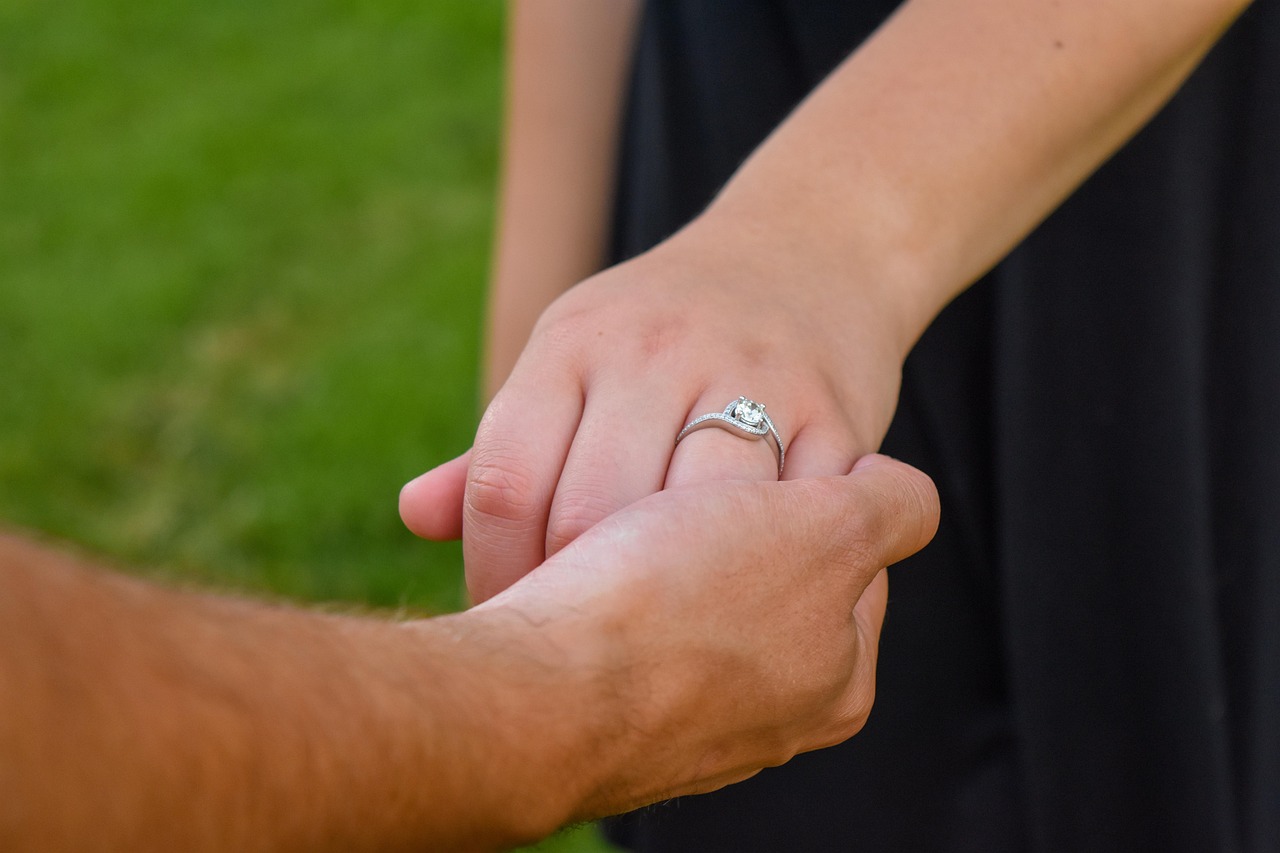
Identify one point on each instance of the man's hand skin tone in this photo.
(915, 166)
(681, 645)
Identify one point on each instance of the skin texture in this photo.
(896, 184)
(682, 645)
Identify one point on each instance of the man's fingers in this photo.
(869, 613)
(895, 507)
(619, 455)
(881, 512)
(431, 504)
(860, 688)
(519, 452)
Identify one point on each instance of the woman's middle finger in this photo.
(618, 456)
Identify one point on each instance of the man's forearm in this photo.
(948, 136)
(145, 719)
(649, 659)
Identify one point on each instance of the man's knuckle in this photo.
(858, 708)
(852, 713)
(781, 754)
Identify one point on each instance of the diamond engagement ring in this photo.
(745, 418)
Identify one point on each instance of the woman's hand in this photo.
(587, 422)
(895, 184)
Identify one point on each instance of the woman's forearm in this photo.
(567, 61)
(929, 153)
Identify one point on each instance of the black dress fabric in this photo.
(1088, 656)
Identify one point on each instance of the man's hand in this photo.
(679, 646)
(720, 629)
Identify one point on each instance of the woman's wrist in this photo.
(834, 282)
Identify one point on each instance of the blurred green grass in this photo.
(242, 254)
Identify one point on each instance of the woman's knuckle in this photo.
(562, 331)
(501, 487)
(572, 515)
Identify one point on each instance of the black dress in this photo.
(1088, 656)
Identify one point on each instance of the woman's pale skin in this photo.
(910, 171)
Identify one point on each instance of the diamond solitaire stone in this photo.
(749, 412)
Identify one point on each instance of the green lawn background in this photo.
(242, 256)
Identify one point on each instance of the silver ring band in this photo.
(744, 418)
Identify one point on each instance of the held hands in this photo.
(711, 631)
(586, 424)
(722, 627)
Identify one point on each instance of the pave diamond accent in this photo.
(744, 418)
(749, 412)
